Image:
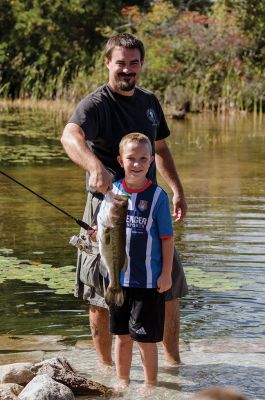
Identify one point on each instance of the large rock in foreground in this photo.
(61, 371)
(43, 387)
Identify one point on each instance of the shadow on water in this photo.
(247, 379)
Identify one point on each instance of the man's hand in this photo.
(179, 207)
(92, 233)
(164, 283)
(100, 179)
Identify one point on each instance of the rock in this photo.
(60, 370)
(42, 387)
(9, 391)
(19, 373)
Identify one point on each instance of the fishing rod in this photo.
(78, 221)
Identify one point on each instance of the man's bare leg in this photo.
(171, 332)
(99, 325)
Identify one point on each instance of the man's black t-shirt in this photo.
(106, 116)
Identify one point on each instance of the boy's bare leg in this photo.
(123, 357)
(150, 361)
(171, 332)
(99, 325)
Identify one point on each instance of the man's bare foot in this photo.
(171, 362)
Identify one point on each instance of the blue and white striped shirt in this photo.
(148, 221)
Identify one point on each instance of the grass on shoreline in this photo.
(60, 109)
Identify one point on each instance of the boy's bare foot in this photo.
(123, 383)
(105, 365)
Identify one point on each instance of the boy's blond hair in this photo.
(135, 137)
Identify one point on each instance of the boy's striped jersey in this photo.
(148, 221)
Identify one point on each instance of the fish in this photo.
(111, 221)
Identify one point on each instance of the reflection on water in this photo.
(221, 242)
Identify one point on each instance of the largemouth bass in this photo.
(112, 240)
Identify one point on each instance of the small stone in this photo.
(19, 373)
(9, 391)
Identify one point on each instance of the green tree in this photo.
(252, 19)
(46, 42)
(7, 21)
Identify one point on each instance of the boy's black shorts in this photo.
(141, 316)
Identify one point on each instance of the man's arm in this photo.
(166, 167)
(75, 146)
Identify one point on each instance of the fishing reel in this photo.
(82, 243)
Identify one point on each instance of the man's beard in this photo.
(126, 86)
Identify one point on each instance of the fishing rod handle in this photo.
(84, 225)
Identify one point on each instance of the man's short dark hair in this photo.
(126, 40)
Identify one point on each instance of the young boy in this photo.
(149, 248)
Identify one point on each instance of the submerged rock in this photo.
(19, 373)
(61, 371)
(22, 357)
(9, 391)
(32, 342)
(43, 387)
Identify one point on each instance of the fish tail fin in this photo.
(115, 296)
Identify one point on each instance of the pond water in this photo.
(221, 242)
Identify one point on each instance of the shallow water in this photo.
(221, 241)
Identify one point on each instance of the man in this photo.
(91, 139)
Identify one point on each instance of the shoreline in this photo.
(235, 362)
(63, 109)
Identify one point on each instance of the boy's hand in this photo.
(92, 234)
(164, 283)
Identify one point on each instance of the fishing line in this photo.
(78, 221)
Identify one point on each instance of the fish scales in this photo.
(112, 242)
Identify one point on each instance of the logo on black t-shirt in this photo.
(152, 116)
